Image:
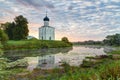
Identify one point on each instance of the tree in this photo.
(65, 39)
(4, 25)
(18, 29)
(3, 37)
(21, 28)
(112, 40)
(9, 29)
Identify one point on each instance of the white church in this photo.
(46, 32)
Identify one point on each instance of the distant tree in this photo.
(112, 40)
(65, 39)
(89, 42)
(3, 37)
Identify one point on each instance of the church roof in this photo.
(47, 26)
(46, 19)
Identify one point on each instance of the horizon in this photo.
(78, 20)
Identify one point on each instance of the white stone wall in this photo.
(47, 33)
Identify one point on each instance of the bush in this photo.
(3, 37)
(65, 39)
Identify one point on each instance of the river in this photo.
(53, 58)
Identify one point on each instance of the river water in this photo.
(53, 58)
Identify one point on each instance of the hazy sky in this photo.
(76, 19)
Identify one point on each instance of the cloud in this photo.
(37, 4)
(76, 19)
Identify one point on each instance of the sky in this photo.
(78, 20)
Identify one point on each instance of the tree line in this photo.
(89, 42)
(16, 30)
(110, 40)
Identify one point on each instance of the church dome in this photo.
(46, 19)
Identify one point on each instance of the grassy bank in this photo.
(1, 51)
(97, 68)
(8, 69)
(115, 52)
(105, 71)
(34, 44)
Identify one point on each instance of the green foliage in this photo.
(3, 37)
(1, 52)
(10, 29)
(115, 52)
(21, 29)
(105, 71)
(18, 63)
(9, 74)
(65, 39)
(5, 73)
(17, 30)
(3, 63)
(112, 40)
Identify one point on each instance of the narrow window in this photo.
(42, 37)
(49, 38)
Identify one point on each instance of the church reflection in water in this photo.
(50, 61)
(46, 62)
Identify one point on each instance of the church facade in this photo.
(46, 32)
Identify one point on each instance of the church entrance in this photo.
(49, 38)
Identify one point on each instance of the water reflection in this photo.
(18, 54)
(46, 62)
(52, 58)
(74, 57)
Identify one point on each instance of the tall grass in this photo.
(106, 71)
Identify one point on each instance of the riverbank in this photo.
(34, 44)
(93, 68)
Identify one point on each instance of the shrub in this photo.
(65, 39)
(3, 37)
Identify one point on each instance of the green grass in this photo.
(115, 52)
(107, 69)
(5, 73)
(34, 44)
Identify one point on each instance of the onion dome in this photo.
(46, 19)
